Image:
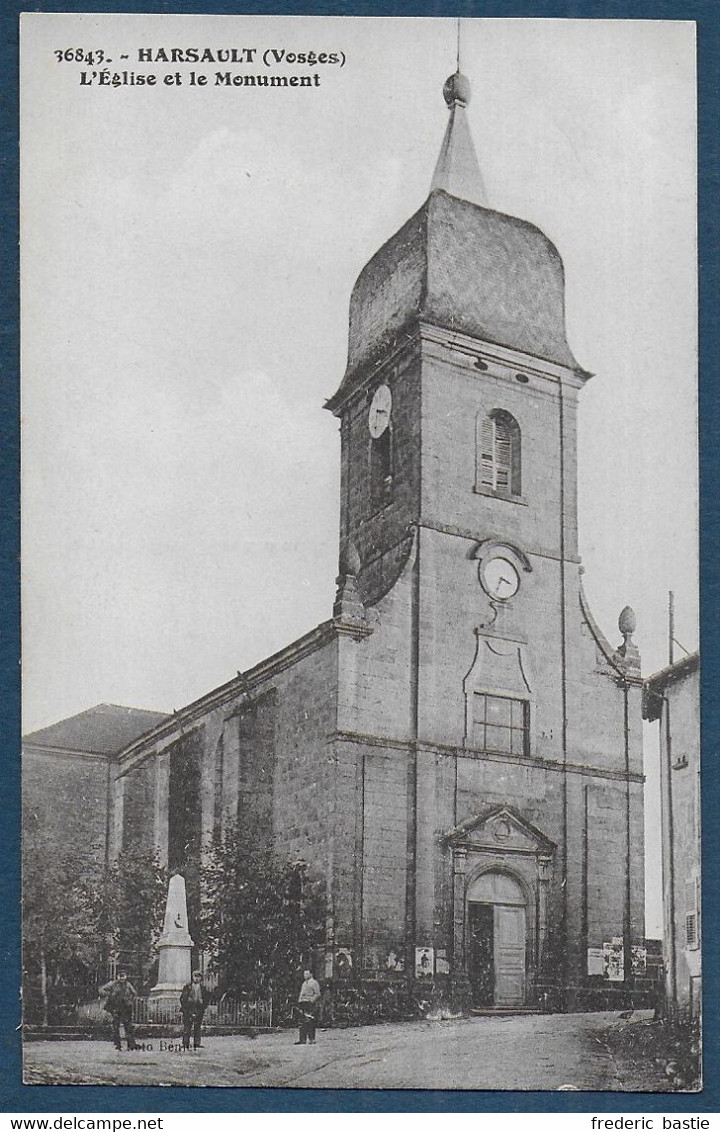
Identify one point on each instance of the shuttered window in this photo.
(692, 902)
(487, 453)
(498, 455)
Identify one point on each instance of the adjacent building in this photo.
(672, 697)
(68, 774)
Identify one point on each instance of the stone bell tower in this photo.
(503, 731)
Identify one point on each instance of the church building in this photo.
(456, 753)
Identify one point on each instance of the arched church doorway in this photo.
(496, 940)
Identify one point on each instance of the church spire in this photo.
(457, 171)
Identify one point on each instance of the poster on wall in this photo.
(614, 960)
(424, 962)
(639, 960)
(595, 961)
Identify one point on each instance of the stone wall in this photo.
(404, 692)
(139, 803)
(375, 530)
(65, 806)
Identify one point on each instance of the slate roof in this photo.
(460, 265)
(105, 729)
(470, 269)
(657, 684)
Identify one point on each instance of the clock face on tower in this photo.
(499, 578)
(379, 415)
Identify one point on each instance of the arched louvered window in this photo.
(498, 453)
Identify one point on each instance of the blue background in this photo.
(15, 1097)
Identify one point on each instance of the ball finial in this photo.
(627, 621)
(457, 90)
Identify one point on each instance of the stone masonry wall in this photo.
(303, 801)
(65, 806)
(576, 698)
(139, 804)
(375, 529)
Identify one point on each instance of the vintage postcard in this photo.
(360, 553)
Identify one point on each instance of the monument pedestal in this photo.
(175, 953)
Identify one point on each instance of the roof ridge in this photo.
(128, 707)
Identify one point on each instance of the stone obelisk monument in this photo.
(175, 948)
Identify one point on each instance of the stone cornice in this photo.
(66, 752)
(460, 835)
(501, 850)
(370, 740)
(446, 749)
(417, 329)
(504, 355)
(431, 524)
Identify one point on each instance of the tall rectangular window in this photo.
(501, 724)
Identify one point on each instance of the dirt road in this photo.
(522, 1052)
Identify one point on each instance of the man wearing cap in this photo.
(194, 998)
(117, 998)
(308, 1003)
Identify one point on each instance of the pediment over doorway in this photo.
(500, 829)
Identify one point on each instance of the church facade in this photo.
(456, 753)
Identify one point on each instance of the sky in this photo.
(187, 258)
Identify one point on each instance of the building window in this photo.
(501, 724)
(381, 469)
(498, 453)
(692, 929)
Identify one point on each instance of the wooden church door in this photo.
(509, 955)
(496, 941)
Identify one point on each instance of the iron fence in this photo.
(147, 1011)
(229, 1011)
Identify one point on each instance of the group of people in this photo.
(118, 996)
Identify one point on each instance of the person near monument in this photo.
(308, 1003)
(194, 998)
(117, 998)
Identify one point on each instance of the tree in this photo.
(62, 921)
(133, 906)
(76, 913)
(263, 918)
